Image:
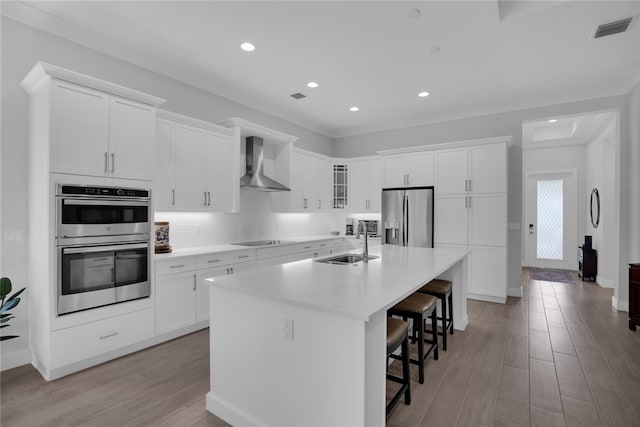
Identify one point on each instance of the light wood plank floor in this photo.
(558, 356)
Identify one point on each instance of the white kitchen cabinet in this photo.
(175, 301)
(98, 134)
(311, 184)
(365, 185)
(193, 165)
(407, 170)
(471, 211)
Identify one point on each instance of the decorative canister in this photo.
(162, 237)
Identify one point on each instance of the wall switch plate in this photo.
(288, 329)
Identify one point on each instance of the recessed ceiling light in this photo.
(354, 109)
(423, 94)
(248, 47)
(312, 84)
(552, 120)
(413, 13)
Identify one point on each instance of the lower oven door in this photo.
(98, 275)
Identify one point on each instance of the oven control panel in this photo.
(81, 190)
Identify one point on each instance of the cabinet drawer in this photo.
(224, 258)
(176, 265)
(634, 274)
(92, 339)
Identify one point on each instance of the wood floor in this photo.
(558, 356)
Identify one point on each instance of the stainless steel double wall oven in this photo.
(103, 246)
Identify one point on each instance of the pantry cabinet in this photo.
(471, 211)
(98, 134)
(408, 170)
(193, 169)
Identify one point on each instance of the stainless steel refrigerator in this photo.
(407, 217)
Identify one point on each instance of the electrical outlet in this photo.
(288, 329)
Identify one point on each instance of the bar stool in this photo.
(398, 335)
(442, 289)
(418, 307)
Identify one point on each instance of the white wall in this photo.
(600, 174)
(510, 123)
(21, 48)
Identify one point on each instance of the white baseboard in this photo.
(16, 358)
(604, 282)
(514, 291)
(619, 305)
(488, 298)
(228, 412)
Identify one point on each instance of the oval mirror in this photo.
(594, 208)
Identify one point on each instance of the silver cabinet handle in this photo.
(319, 204)
(113, 162)
(466, 188)
(173, 197)
(113, 334)
(465, 202)
(205, 198)
(106, 162)
(469, 202)
(469, 185)
(228, 271)
(211, 261)
(305, 203)
(176, 266)
(194, 282)
(209, 196)
(243, 256)
(307, 247)
(231, 270)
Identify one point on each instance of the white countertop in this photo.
(356, 291)
(200, 250)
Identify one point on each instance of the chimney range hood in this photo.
(255, 178)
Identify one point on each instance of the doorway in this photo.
(551, 207)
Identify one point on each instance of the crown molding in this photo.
(508, 139)
(175, 117)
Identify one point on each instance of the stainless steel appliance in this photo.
(407, 216)
(373, 227)
(349, 226)
(103, 246)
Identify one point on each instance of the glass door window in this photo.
(550, 215)
(340, 186)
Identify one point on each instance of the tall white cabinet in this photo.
(365, 184)
(471, 211)
(193, 165)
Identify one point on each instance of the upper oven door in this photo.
(81, 217)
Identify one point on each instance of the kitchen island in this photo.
(304, 343)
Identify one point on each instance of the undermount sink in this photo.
(262, 243)
(346, 259)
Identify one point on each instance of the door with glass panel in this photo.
(551, 226)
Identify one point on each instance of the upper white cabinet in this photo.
(365, 185)
(193, 165)
(477, 169)
(311, 183)
(407, 170)
(91, 127)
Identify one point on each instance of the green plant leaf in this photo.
(16, 294)
(5, 287)
(9, 305)
(4, 326)
(8, 337)
(6, 319)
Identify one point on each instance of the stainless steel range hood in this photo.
(255, 178)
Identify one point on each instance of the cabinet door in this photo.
(296, 196)
(79, 130)
(487, 278)
(451, 171)
(375, 186)
(394, 170)
(218, 170)
(202, 290)
(131, 139)
(323, 185)
(190, 167)
(488, 220)
(420, 169)
(359, 191)
(175, 301)
(488, 169)
(164, 177)
(451, 220)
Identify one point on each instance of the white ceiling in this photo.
(493, 55)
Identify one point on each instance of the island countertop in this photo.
(356, 291)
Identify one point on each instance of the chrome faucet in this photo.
(365, 253)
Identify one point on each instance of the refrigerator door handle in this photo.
(406, 220)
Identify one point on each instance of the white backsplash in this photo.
(256, 220)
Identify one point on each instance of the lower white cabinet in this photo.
(487, 273)
(202, 285)
(78, 343)
(175, 301)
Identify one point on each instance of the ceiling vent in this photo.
(298, 95)
(611, 28)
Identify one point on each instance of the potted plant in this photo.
(14, 300)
